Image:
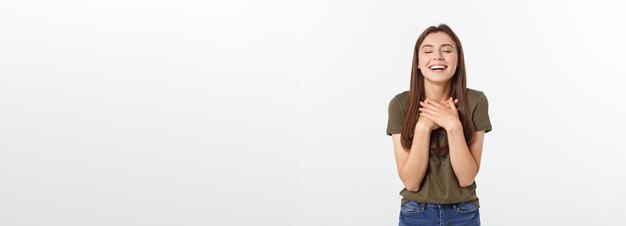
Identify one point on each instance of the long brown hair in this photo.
(438, 137)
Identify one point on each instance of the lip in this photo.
(438, 71)
(444, 65)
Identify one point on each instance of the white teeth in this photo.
(437, 67)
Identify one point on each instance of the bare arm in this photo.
(465, 160)
(412, 165)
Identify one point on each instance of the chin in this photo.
(438, 78)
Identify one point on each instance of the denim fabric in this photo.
(427, 214)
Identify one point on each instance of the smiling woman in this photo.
(437, 130)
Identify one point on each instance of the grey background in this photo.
(273, 112)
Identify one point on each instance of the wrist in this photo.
(454, 126)
(422, 128)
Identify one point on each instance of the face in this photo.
(438, 57)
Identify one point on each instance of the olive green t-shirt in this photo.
(440, 184)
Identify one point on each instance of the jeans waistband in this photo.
(435, 205)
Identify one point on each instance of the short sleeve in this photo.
(480, 116)
(396, 117)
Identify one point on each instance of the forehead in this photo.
(437, 39)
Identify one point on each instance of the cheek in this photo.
(420, 59)
(454, 60)
(422, 64)
(453, 71)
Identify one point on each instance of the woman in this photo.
(437, 129)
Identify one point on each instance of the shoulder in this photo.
(474, 93)
(475, 97)
(404, 95)
(401, 99)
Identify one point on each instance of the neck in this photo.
(438, 91)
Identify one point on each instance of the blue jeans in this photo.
(426, 214)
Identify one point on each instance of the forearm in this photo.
(416, 163)
(463, 163)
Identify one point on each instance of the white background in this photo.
(274, 113)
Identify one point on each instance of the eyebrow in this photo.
(427, 45)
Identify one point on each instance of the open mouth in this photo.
(438, 68)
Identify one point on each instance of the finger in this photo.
(427, 115)
(432, 104)
(451, 104)
(427, 110)
(428, 104)
(446, 102)
(455, 101)
(435, 103)
(430, 117)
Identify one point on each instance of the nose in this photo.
(437, 56)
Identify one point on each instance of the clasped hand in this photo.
(435, 114)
